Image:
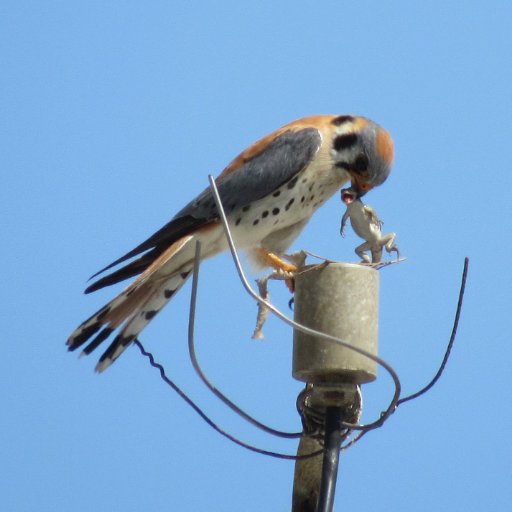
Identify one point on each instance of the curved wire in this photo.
(361, 433)
(210, 422)
(363, 429)
(450, 343)
(307, 330)
(216, 427)
(201, 374)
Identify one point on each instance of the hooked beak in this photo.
(360, 186)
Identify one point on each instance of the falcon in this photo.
(269, 193)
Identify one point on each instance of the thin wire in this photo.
(361, 433)
(201, 374)
(445, 358)
(307, 330)
(210, 422)
(450, 343)
(353, 441)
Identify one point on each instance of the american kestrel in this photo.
(269, 193)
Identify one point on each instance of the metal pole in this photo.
(339, 299)
(307, 478)
(321, 435)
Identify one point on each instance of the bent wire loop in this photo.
(201, 374)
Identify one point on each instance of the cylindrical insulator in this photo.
(341, 299)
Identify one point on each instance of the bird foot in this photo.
(286, 269)
(272, 260)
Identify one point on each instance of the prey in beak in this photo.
(366, 225)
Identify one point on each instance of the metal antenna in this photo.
(305, 329)
(335, 351)
(332, 366)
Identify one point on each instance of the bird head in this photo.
(363, 149)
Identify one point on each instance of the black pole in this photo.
(333, 417)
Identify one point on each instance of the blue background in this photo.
(112, 115)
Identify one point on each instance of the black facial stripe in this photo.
(338, 121)
(344, 141)
(361, 163)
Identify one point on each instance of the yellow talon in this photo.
(273, 260)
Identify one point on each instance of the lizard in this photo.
(366, 225)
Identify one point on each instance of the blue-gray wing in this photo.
(258, 177)
(250, 177)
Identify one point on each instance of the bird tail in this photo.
(133, 308)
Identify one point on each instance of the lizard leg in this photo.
(361, 252)
(377, 254)
(390, 244)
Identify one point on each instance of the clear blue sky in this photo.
(112, 116)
